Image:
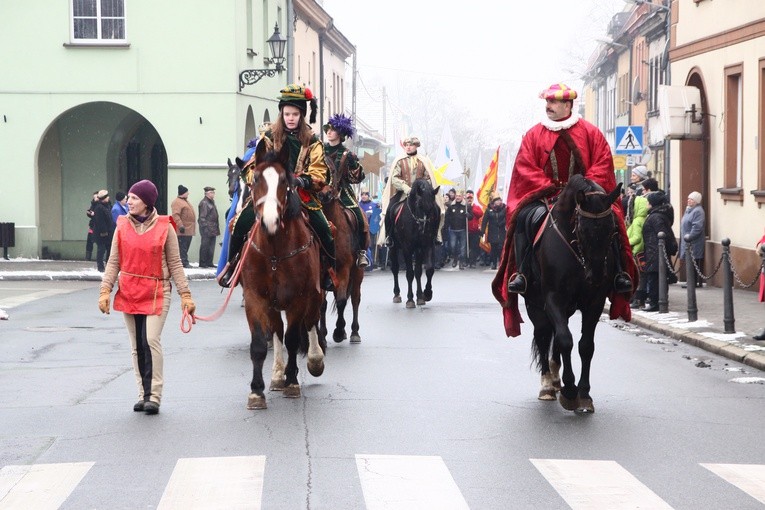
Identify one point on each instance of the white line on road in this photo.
(215, 482)
(399, 482)
(750, 478)
(597, 485)
(40, 486)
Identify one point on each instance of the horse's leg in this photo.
(555, 367)
(277, 370)
(430, 268)
(564, 342)
(323, 319)
(418, 278)
(393, 255)
(339, 334)
(543, 336)
(315, 352)
(409, 278)
(292, 343)
(261, 329)
(355, 288)
(586, 351)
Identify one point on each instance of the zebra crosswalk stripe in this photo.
(750, 478)
(398, 482)
(597, 485)
(40, 486)
(215, 482)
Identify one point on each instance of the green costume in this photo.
(345, 165)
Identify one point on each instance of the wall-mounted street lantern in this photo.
(277, 44)
(649, 4)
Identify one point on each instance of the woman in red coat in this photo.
(760, 249)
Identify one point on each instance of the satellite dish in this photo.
(636, 95)
(645, 157)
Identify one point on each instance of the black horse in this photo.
(416, 222)
(574, 269)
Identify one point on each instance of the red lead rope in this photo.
(188, 320)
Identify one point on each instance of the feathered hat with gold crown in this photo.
(299, 97)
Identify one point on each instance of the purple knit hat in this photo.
(146, 191)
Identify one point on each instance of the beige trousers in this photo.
(145, 332)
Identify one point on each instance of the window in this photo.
(761, 134)
(733, 123)
(98, 20)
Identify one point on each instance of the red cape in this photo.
(529, 182)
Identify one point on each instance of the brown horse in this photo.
(349, 275)
(280, 273)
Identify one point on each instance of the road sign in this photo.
(629, 140)
(620, 162)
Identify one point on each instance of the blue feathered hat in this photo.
(342, 124)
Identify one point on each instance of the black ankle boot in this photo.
(622, 283)
(517, 284)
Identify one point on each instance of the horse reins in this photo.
(579, 213)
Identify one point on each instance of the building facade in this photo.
(102, 94)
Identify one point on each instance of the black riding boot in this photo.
(518, 283)
(227, 274)
(622, 281)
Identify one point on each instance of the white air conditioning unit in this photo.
(680, 112)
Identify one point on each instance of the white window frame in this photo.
(98, 40)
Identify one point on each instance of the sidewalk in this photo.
(707, 332)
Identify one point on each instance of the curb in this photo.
(735, 353)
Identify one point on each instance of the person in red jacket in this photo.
(474, 228)
(562, 145)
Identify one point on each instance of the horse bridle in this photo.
(279, 207)
(580, 213)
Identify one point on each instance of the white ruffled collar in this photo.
(557, 125)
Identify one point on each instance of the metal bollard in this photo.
(729, 321)
(690, 281)
(663, 287)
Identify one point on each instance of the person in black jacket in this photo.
(91, 240)
(103, 228)
(660, 219)
(494, 225)
(456, 218)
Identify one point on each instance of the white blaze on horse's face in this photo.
(270, 201)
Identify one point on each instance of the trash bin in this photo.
(7, 237)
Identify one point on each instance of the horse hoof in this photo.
(547, 395)
(316, 366)
(421, 301)
(339, 336)
(355, 338)
(428, 295)
(410, 304)
(292, 391)
(277, 384)
(255, 402)
(585, 406)
(396, 299)
(567, 403)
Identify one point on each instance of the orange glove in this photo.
(103, 302)
(187, 303)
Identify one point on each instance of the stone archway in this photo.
(99, 145)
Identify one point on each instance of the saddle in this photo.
(534, 220)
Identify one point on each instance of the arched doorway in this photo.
(99, 145)
(694, 154)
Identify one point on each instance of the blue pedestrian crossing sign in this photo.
(629, 140)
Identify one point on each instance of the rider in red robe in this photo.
(551, 151)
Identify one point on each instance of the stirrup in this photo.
(622, 283)
(227, 273)
(517, 283)
(362, 260)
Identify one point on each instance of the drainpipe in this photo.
(669, 82)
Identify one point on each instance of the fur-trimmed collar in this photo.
(557, 125)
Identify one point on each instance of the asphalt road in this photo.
(434, 409)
